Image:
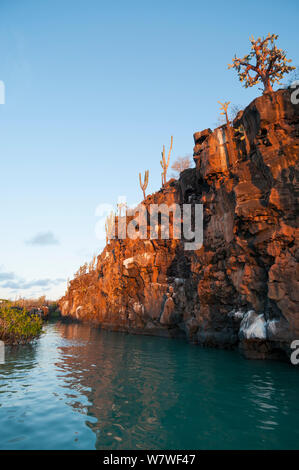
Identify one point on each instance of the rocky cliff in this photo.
(241, 288)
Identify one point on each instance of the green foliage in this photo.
(54, 311)
(17, 326)
(241, 132)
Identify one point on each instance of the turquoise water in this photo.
(81, 388)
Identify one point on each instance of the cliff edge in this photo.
(241, 288)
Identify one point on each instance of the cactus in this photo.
(109, 226)
(164, 163)
(144, 185)
(224, 108)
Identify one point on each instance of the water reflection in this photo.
(82, 388)
(155, 393)
(123, 386)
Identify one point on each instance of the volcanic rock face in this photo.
(241, 288)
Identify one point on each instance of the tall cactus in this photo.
(143, 186)
(109, 226)
(224, 108)
(164, 163)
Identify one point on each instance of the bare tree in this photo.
(270, 63)
(234, 110)
(181, 164)
(293, 77)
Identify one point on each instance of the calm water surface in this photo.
(81, 388)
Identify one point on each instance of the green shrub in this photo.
(54, 311)
(17, 326)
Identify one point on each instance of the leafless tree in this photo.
(181, 164)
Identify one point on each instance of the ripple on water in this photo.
(82, 388)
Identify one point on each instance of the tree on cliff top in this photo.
(270, 63)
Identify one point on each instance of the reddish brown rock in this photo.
(249, 258)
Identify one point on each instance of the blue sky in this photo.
(93, 91)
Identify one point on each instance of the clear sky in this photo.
(93, 90)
